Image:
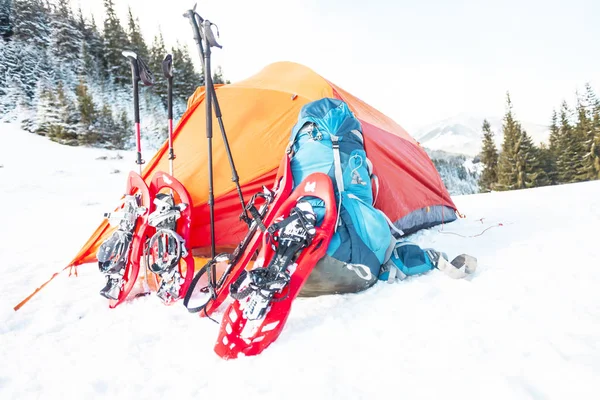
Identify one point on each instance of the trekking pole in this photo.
(209, 40)
(139, 72)
(167, 67)
(208, 100)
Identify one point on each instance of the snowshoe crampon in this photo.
(118, 256)
(166, 254)
(263, 296)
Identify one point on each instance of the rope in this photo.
(470, 236)
(36, 291)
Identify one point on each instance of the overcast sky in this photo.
(417, 61)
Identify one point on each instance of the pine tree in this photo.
(29, 57)
(65, 38)
(155, 58)
(596, 147)
(218, 77)
(588, 129)
(187, 79)
(106, 126)
(136, 39)
(569, 160)
(530, 171)
(551, 153)
(507, 173)
(94, 44)
(47, 109)
(547, 163)
(63, 131)
(86, 131)
(115, 41)
(489, 158)
(124, 127)
(6, 30)
(31, 22)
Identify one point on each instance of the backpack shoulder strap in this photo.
(339, 177)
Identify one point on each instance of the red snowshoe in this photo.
(166, 254)
(291, 248)
(118, 256)
(215, 292)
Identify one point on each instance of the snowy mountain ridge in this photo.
(462, 134)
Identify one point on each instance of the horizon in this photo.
(441, 80)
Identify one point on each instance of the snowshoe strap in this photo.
(256, 215)
(274, 277)
(188, 294)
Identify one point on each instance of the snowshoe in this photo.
(263, 296)
(166, 254)
(119, 255)
(215, 292)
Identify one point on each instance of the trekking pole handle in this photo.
(210, 37)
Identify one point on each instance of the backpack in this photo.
(327, 138)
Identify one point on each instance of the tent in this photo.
(258, 115)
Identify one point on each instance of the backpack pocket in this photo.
(406, 259)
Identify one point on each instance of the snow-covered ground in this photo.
(525, 326)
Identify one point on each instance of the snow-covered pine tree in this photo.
(123, 128)
(47, 109)
(31, 22)
(596, 146)
(63, 131)
(507, 160)
(11, 77)
(94, 45)
(6, 30)
(186, 79)
(136, 39)
(116, 66)
(155, 58)
(489, 158)
(588, 129)
(551, 153)
(87, 131)
(66, 40)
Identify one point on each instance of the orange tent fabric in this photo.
(258, 114)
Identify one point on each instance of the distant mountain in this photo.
(462, 133)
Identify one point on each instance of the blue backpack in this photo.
(327, 138)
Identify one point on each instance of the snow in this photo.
(525, 326)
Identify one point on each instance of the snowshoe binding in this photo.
(255, 288)
(166, 247)
(113, 254)
(166, 254)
